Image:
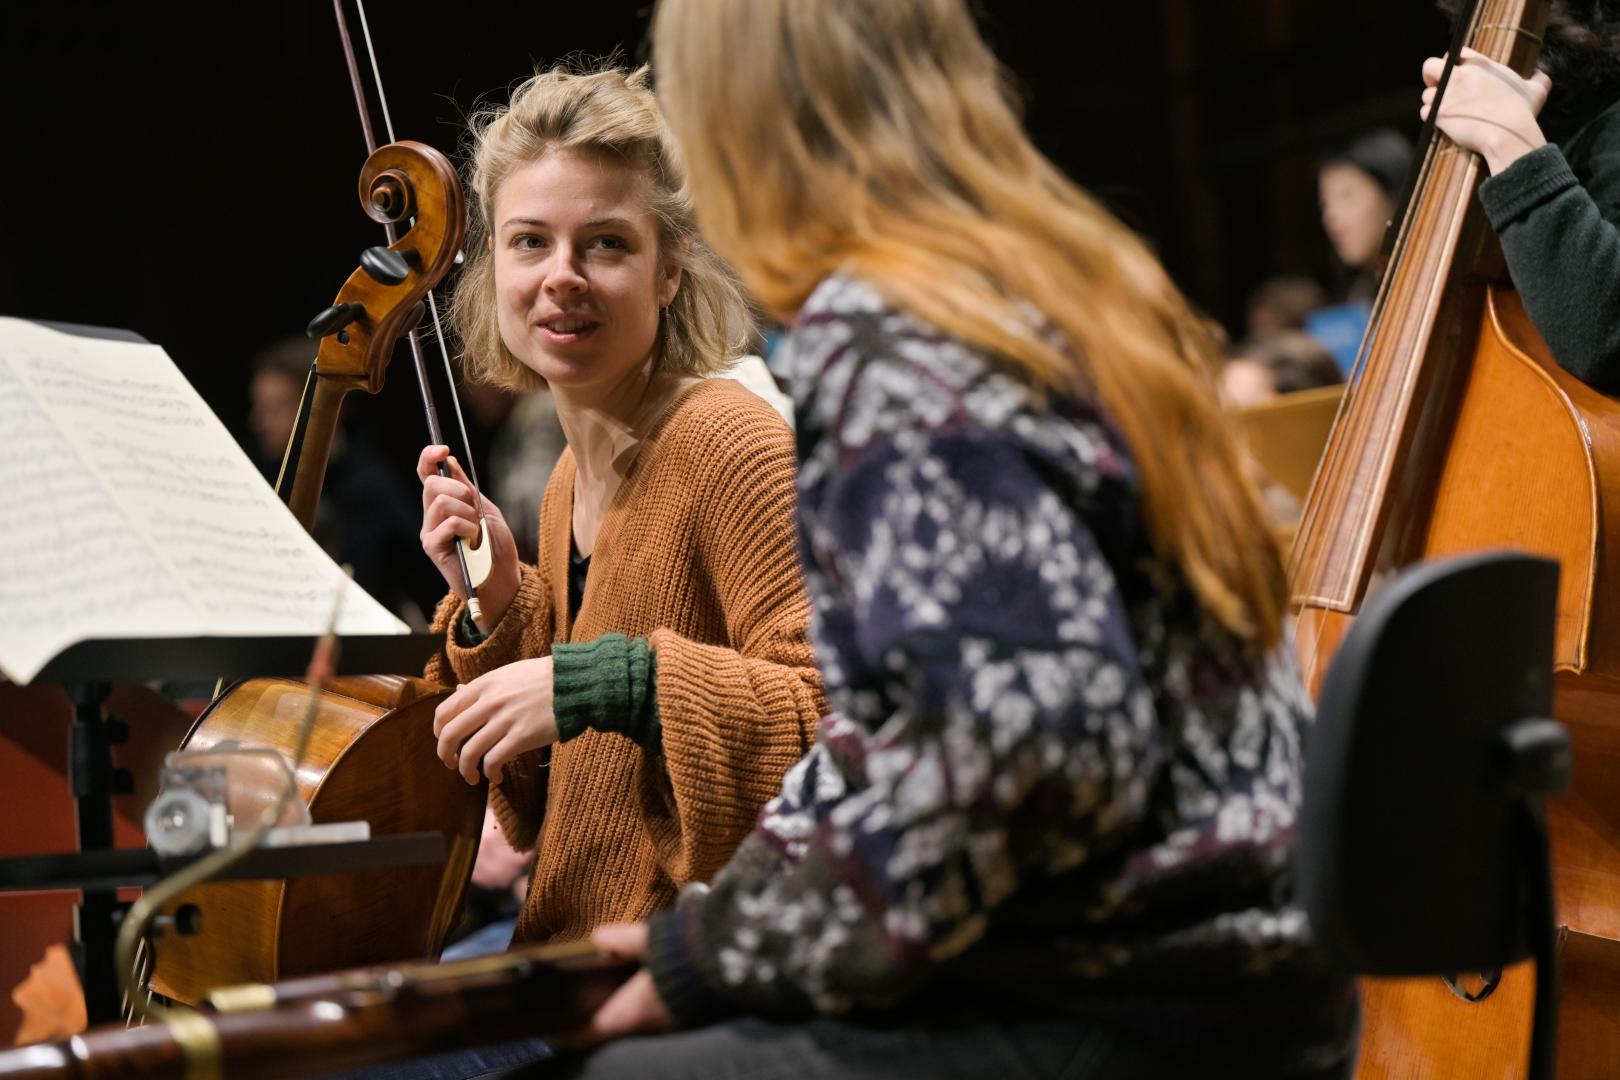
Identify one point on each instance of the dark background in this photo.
(187, 170)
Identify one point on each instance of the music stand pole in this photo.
(94, 781)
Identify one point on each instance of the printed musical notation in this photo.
(127, 510)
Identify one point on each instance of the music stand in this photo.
(87, 670)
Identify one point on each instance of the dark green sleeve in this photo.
(1564, 255)
(467, 632)
(608, 684)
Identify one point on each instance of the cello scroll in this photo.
(406, 182)
(400, 182)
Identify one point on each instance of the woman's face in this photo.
(579, 281)
(1355, 213)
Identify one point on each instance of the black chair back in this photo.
(1421, 848)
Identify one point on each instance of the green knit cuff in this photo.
(609, 685)
(467, 633)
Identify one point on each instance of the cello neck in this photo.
(310, 450)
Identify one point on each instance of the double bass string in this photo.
(1352, 422)
(1432, 197)
(1417, 181)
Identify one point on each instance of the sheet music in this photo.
(127, 510)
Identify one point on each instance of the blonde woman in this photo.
(636, 696)
(1045, 831)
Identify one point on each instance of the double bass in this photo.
(1460, 432)
(372, 755)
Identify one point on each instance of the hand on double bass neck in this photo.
(1489, 108)
(448, 513)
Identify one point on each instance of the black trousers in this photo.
(1050, 1049)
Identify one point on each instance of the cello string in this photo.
(135, 980)
(433, 304)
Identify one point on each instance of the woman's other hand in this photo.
(636, 1007)
(449, 512)
(1488, 107)
(488, 722)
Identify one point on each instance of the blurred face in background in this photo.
(274, 410)
(1355, 213)
(1245, 382)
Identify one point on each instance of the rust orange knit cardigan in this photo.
(696, 553)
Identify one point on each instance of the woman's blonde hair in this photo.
(612, 114)
(880, 139)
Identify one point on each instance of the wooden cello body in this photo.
(371, 755)
(1462, 433)
(371, 758)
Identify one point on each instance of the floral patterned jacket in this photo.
(1051, 783)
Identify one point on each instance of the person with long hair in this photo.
(1552, 145)
(1046, 829)
(637, 695)
(1358, 184)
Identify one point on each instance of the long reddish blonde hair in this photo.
(878, 138)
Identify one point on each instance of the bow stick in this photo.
(475, 561)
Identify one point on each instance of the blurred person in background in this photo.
(368, 517)
(1358, 184)
(1282, 303)
(1283, 363)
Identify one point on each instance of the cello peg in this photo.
(414, 319)
(385, 265)
(334, 319)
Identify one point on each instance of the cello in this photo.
(1461, 432)
(371, 756)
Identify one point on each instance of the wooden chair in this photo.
(1285, 437)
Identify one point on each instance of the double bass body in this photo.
(1530, 460)
(1462, 433)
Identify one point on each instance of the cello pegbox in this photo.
(385, 265)
(413, 186)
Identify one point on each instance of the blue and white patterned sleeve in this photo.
(995, 728)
